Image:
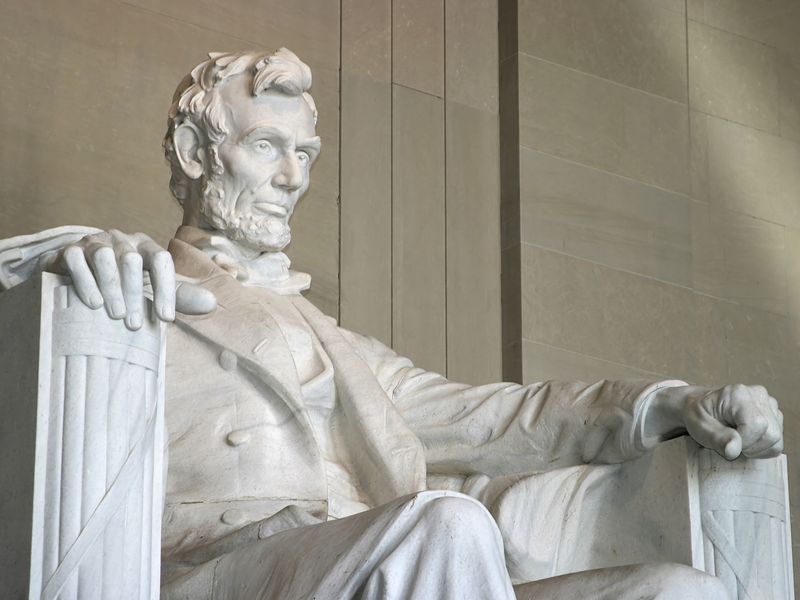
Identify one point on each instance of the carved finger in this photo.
(74, 264)
(104, 265)
(130, 267)
(771, 437)
(748, 418)
(775, 450)
(162, 276)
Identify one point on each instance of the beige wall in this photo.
(86, 88)
(659, 193)
(420, 240)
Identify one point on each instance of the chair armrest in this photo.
(82, 443)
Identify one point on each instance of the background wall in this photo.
(420, 238)
(659, 192)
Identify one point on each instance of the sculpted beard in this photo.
(259, 232)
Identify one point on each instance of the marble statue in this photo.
(307, 461)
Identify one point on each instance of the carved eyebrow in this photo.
(314, 144)
(258, 132)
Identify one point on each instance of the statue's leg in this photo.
(440, 545)
(656, 581)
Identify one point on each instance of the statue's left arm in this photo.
(507, 428)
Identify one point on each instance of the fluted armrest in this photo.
(82, 440)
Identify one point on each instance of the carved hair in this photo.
(197, 100)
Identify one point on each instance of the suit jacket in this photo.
(242, 447)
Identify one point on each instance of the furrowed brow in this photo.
(314, 144)
(269, 131)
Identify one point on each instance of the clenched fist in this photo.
(733, 420)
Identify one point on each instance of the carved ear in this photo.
(187, 141)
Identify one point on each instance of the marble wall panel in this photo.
(733, 77)
(753, 172)
(773, 22)
(636, 43)
(366, 169)
(603, 124)
(543, 363)
(789, 95)
(511, 295)
(678, 6)
(507, 16)
(307, 27)
(366, 42)
(418, 45)
(473, 245)
(792, 241)
(471, 59)
(617, 316)
(509, 153)
(419, 320)
(739, 258)
(605, 218)
(698, 156)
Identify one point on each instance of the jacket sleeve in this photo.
(20, 255)
(507, 428)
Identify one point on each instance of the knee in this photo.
(679, 582)
(459, 517)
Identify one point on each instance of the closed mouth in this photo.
(269, 208)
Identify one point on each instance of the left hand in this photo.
(734, 420)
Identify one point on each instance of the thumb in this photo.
(713, 434)
(191, 299)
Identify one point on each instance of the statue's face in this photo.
(266, 158)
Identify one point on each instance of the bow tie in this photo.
(268, 269)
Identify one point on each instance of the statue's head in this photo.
(240, 141)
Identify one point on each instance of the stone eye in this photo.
(303, 157)
(264, 146)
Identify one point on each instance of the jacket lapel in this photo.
(389, 458)
(242, 325)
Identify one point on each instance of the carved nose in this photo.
(290, 176)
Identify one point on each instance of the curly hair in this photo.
(197, 99)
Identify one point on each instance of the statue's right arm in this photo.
(107, 269)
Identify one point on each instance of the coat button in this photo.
(237, 438)
(234, 516)
(227, 360)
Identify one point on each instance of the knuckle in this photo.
(103, 255)
(163, 260)
(131, 260)
(72, 254)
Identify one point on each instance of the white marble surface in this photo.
(90, 433)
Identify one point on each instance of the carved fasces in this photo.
(744, 514)
(98, 440)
